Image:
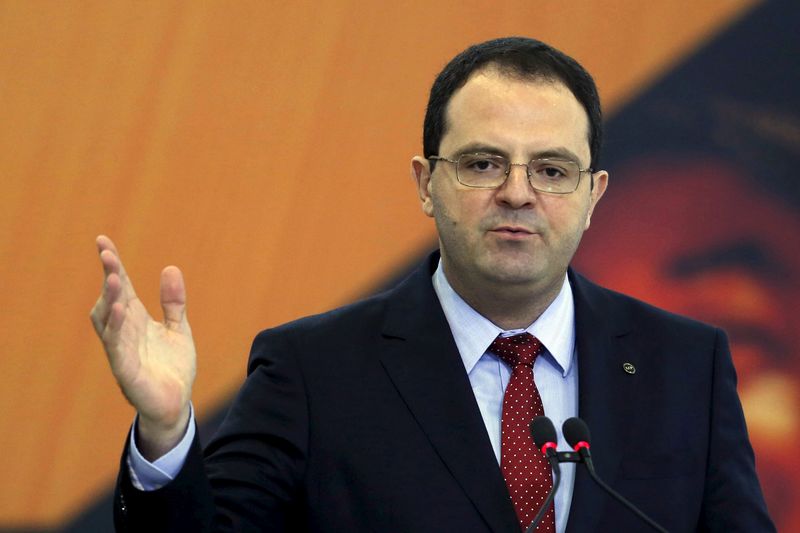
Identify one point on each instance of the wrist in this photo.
(155, 438)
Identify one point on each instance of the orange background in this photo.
(262, 146)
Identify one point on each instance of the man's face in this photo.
(512, 236)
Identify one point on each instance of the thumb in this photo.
(173, 297)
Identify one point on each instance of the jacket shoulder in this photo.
(354, 328)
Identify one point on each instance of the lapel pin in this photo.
(629, 368)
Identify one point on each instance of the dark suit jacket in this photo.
(363, 419)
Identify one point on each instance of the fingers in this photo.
(115, 319)
(109, 312)
(116, 293)
(112, 290)
(109, 257)
(111, 284)
(173, 297)
(103, 242)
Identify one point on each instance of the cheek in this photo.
(459, 208)
(567, 218)
(447, 208)
(447, 216)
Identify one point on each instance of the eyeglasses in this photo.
(489, 171)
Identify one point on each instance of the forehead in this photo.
(516, 115)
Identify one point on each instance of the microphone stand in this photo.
(553, 458)
(585, 457)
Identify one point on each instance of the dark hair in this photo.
(518, 57)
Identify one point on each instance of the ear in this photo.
(421, 172)
(600, 183)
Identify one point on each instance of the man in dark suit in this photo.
(393, 413)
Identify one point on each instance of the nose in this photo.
(517, 191)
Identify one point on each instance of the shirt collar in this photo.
(474, 333)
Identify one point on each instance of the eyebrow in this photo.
(551, 153)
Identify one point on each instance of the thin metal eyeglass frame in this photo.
(508, 173)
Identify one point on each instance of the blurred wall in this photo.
(263, 147)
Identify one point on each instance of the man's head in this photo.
(517, 57)
(508, 237)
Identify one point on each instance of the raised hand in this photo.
(154, 362)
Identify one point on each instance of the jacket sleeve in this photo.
(250, 476)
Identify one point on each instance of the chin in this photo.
(523, 269)
(514, 274)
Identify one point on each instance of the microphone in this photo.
(576, 432)
(544, 436)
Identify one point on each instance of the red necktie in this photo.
(525, 470)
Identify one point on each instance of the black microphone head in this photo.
(575, 431)
(543, 431)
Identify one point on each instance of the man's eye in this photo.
(481, 164)
(552, 172)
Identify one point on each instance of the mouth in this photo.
(512, 232)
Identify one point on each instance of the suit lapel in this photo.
(604, 395)
(422, 361)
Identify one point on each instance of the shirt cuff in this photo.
(151, 476)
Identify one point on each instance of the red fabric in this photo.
(525, 470)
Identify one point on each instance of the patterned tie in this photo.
(525, 470)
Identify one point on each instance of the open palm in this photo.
(153, 361)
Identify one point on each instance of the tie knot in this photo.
(522, 349)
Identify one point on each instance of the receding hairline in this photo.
(512, 73)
